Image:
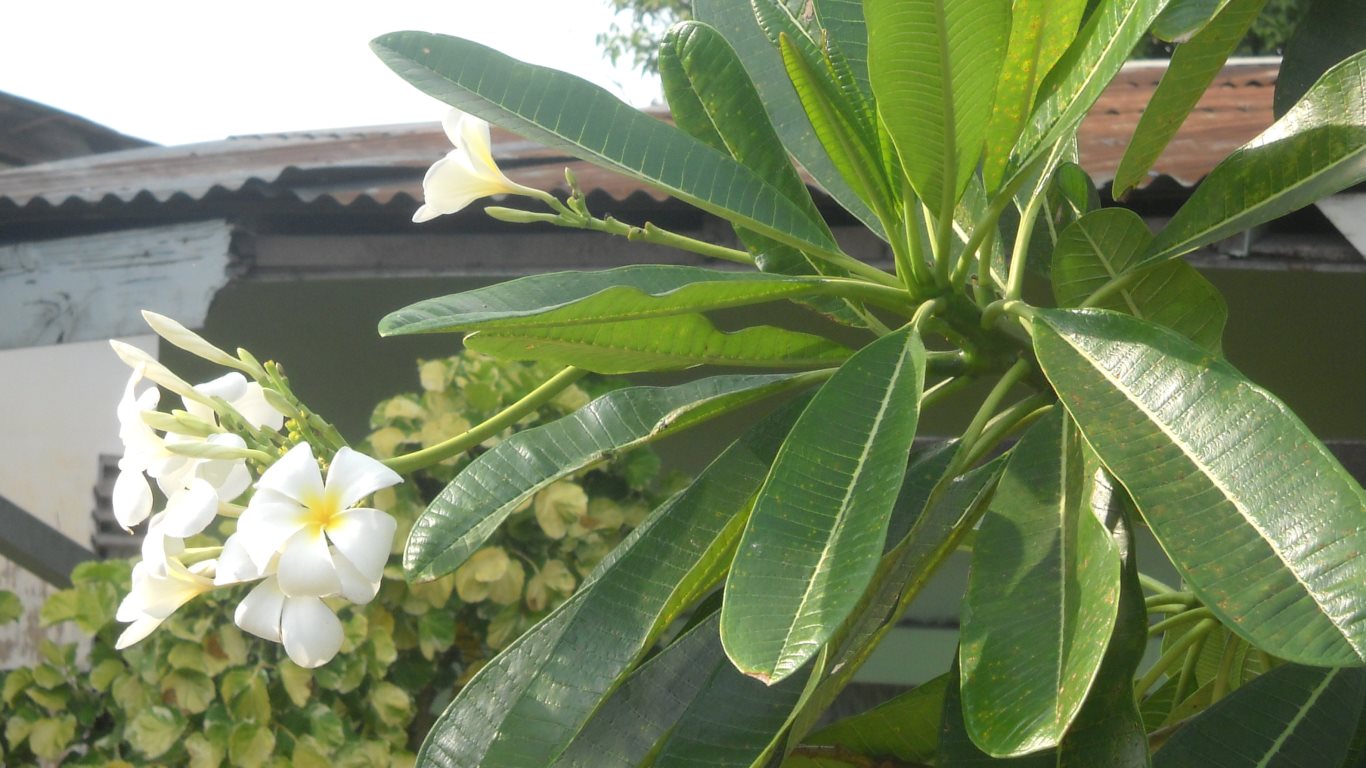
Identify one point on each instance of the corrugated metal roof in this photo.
(381, 163)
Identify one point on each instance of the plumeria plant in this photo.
(722, 628)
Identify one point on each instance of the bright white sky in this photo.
(182, 71)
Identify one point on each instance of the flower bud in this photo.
(188, 340)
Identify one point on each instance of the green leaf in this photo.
(189, 691)
(477, 501)
(955, 746)
(153, 731)
(846, 35)
(1184, 19)
(848, 139)
(1109, 731)
(11, 607)
(1107, 244)
(685, 706)
(49, 737)
(1106, 39)
(737, 23)
(712, 98)
(526, 705)
(570, 114)
(1193, 67)
(1040, 31)
(905, 728)
(1318, 148)
(660, 344)
(250, 744)
(934, 67)
(1259, 518)
(1040, 605)
(1328, 32)
(951, 506)
(612, 295)
(820, 520)
(1291, 716)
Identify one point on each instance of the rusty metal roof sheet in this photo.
(382, 163)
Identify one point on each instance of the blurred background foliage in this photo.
(200, 692)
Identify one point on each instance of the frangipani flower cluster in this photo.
(302, 537)
(467, 172)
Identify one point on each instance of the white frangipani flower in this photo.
(309, 630)
(155, 596)
(466, 173)
(324, 545)
(247, 398)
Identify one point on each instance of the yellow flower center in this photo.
(322, 510)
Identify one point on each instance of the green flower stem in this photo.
(913, 223)
(1188, 665)
(1009, 422)
(1184, 617)
(1154, 585)
(973, 433)
(198, 554)
(1019, 255)
(1168, 608)
(412, 462)
(1115, 285)
(1183, 599)
(657, 236)
(1223, 679)
(230, 510)
(1170, 656)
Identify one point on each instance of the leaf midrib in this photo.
(844, 503)
(1233, 499)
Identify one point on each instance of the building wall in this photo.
(57, 415)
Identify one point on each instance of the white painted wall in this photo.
(57, 416)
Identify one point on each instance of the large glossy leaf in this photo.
(660, 344)
(527, 704)
(1183, 19)
(846, 34)
(1106, 39)
(820, 520)
(1107, 243)
(736, 22)
(1040, 605)
(610, 295)
(499, 480)
(1291, 716)
(950, 507)
(567, 113)
(933, 65)
(1318, 148)
(1040, 31)
(905, 728)
(711, 97)
(1109, 729)
(1263, 523)
(850, 143)
(1329, 32)
(1193, 67)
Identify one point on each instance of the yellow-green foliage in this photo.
(200, 692)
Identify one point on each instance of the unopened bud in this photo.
(518, 216)
(280, 403)
(154, 371)
(189, 341)
(206, 450)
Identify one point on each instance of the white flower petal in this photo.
(451, 124)
(354, 584)
(190, 511)
(259, 612)
(476, 142)
(312, 634)
(235, 564)
(139, 629)
(267, 523)
(295, 475)
(228, 476)
(257, 410)
(365, 537)
(131, 499)
(353, 476)
(306, 568)
(158, 548)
